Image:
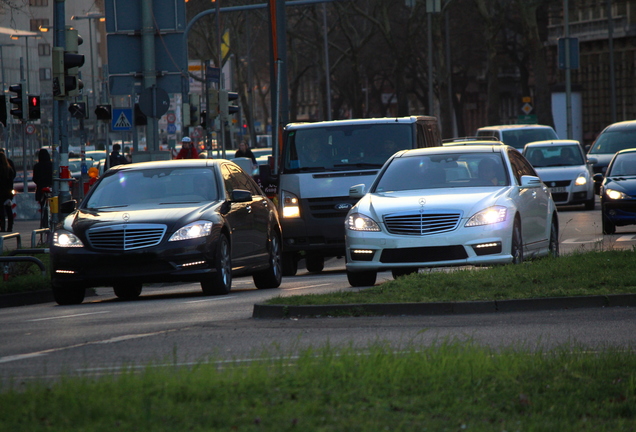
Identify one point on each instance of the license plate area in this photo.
(558, 190)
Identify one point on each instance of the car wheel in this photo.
(591, 204)
(608, 227)
(220, 282)
(553, 246)
(314, 264)
(403, 271)
(68, 295)
(272, 277)
(360, 279)
(127, 290)
(290, 264)
(517, 243)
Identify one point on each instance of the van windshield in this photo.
(345, 147)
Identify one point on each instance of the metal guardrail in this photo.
(34, 235)
(9, 236)
(7, 259)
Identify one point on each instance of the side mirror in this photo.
(357, 191)
(592, 161)
(530, 181)
(68, 207)
(239, 195)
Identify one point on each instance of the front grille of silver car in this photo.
(126, 236)
(421, 223)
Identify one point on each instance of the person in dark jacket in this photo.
(245, 151)
(117, 158)
(42, 175)
(6, 192)
(8, 204)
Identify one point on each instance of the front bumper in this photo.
(479, 246)
(620, 212)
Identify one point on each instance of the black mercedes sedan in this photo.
(618, 191)
(201, 220)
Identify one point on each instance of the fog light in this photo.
(195, 263)
(362, 254)
(65, 271)
(490, 248)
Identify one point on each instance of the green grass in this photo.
(579, 274)
(453, 386)
(26, 276)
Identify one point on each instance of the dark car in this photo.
(615, 137)
(618, 191)
(199, 220)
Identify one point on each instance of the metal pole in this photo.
(429, 21)
(90, 40)
(327, 67)
(568, 84)
(610, 41)
(28, 80)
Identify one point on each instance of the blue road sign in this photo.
(172, 128)
(122, 119)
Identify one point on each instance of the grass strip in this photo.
(449, 386)
(579, 274)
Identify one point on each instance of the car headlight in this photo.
(580, 180)
(291, 205)
(491, 215)
(360, 222)
(614, 194)
(62, 238)
(193, 230)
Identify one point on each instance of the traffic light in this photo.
(225, 97)
(19, 100)
(66, 64)
(204, 119)
(103, 112)
(140, 117)
(77, 110)
(34, 107)
(195, 107)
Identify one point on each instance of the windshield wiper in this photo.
(107, 207)
(360, 165)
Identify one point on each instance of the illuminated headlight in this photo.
(291, 205)
(580, 180)
(193, 230)
(614, 194)
(491, 215)
(360, 222)
(63, 238)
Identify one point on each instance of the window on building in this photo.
(39, 22)
(44, 50)
(45, 74)
(38, 2)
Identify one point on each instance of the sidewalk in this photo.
(25, 228)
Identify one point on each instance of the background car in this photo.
(18, 182)
(518, 135)
(183, 221)
(563, 167)
(615, 137)
(485, 140)
(618, 191)
(449, 206)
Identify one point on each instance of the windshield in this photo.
(623, 165)
(612, 141)
(153, 186)
(520, 137)
(550, 156)
(345, 147)
(443, 171)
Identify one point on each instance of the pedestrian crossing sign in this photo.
(122, 119)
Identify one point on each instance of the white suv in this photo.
(519, 135)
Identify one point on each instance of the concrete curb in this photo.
(443, 308)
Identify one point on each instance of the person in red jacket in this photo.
(187, 149)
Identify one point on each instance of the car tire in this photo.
(591, 204)
(405, 271)
(553, 245)
(272, 277)
(127, 290)
(220, 282)
(314, 264)
(360, 279)
(290, 264)
(608, 227)
(516, 249)
(68, 295)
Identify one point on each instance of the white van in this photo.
(519, 135)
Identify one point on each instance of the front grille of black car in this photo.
(126, 236)
(421, 223)
(424, 254)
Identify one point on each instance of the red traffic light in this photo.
(34, 107)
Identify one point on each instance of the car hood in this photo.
(466, 200)
(626, 184)
(560, 172)
(173, 217)
(332, 183)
